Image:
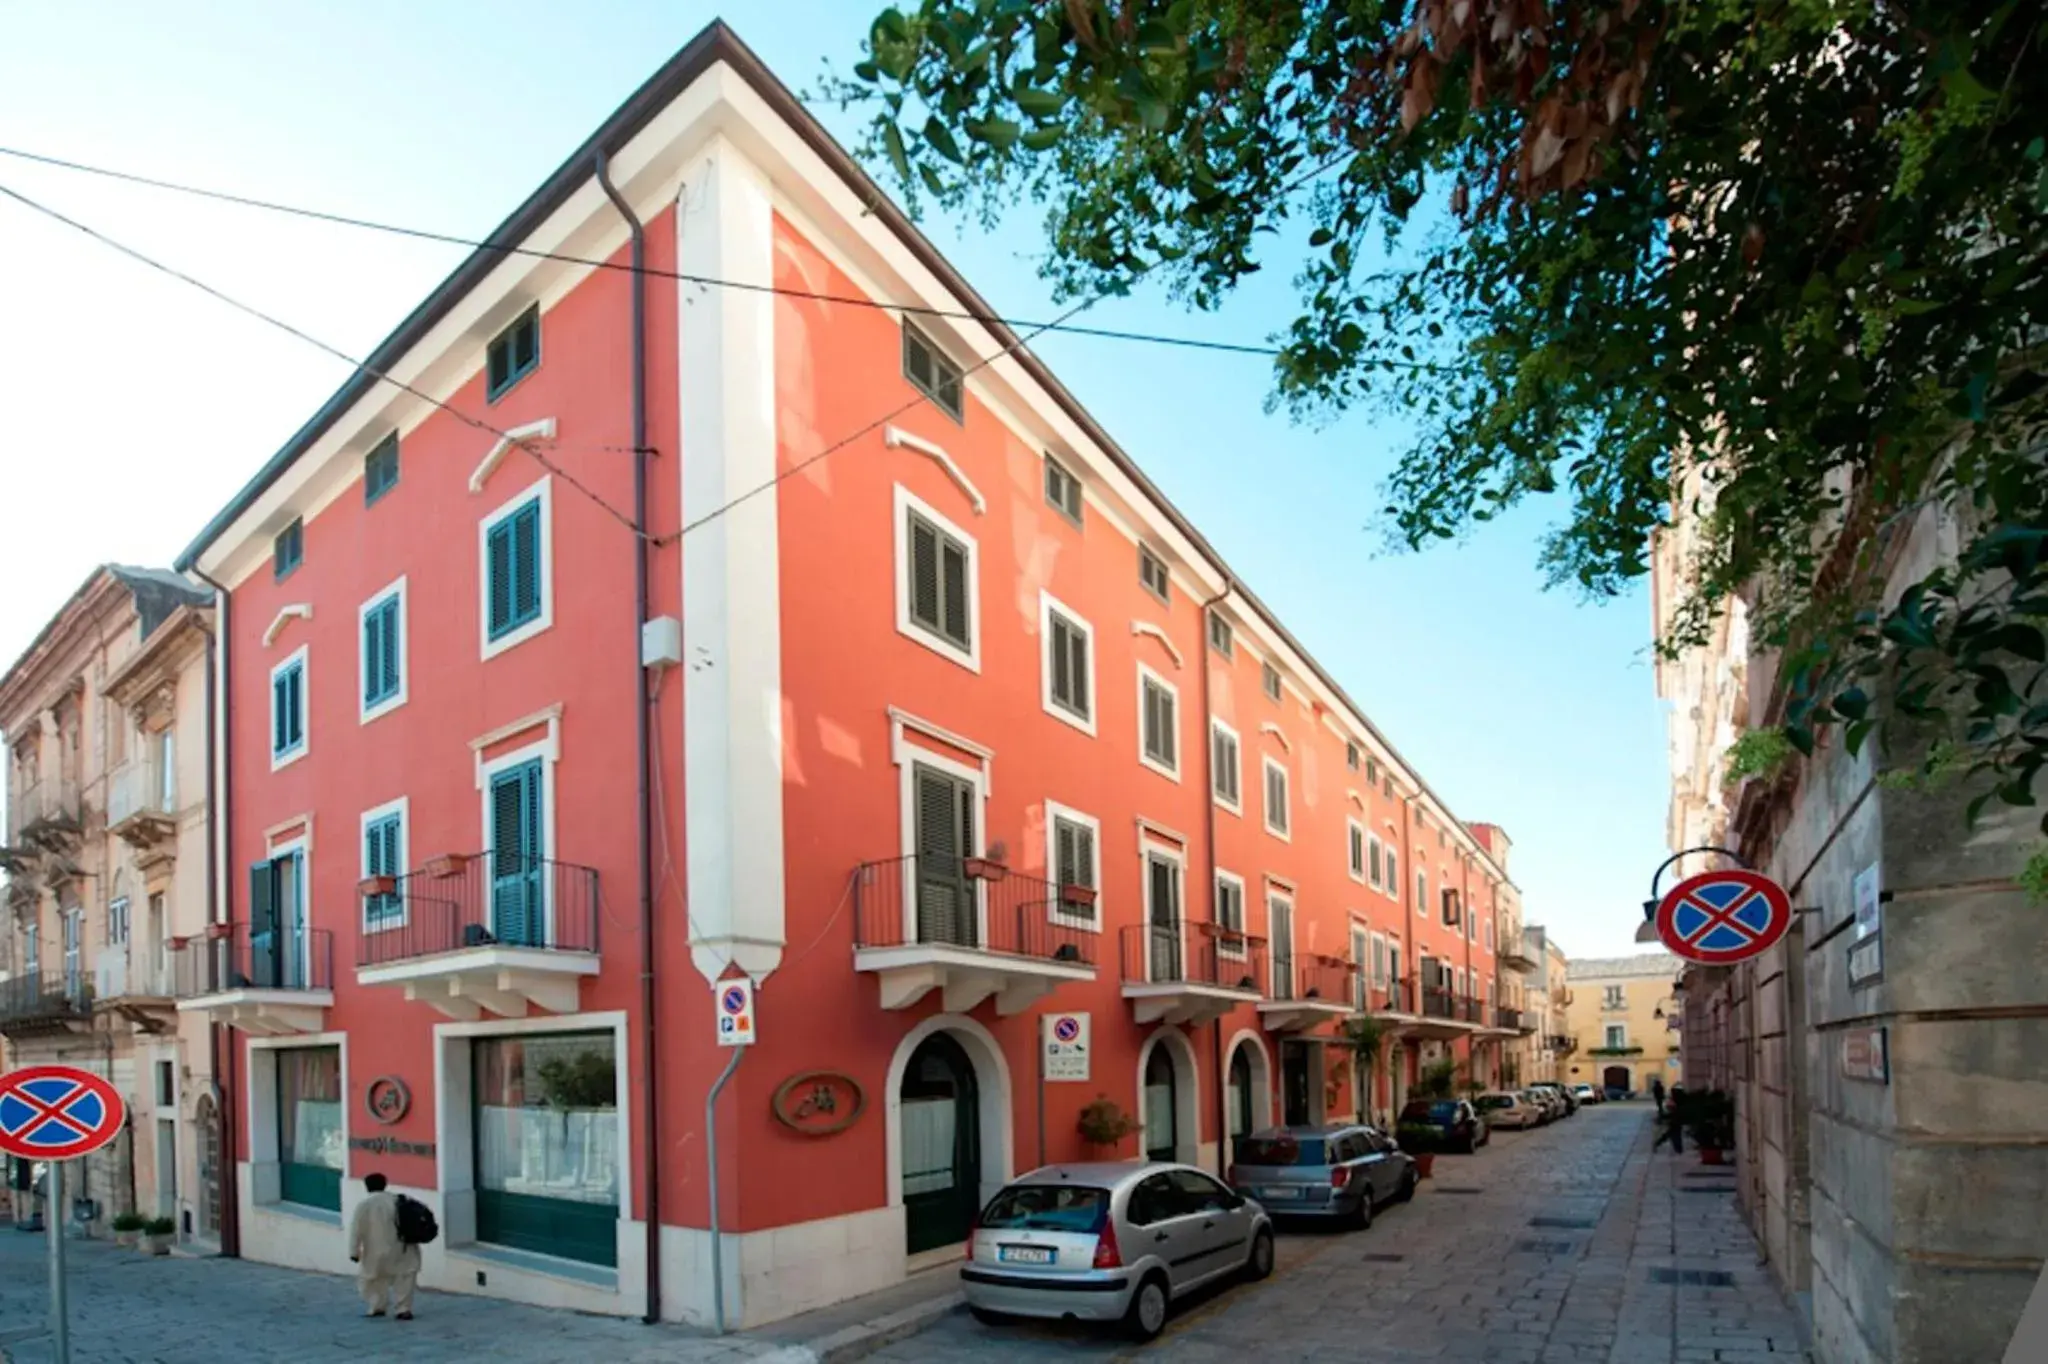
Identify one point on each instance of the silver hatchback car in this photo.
(1112, 1241)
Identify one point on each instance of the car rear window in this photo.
(1422, 1110)
(1496, 1101)
(1047, 1207)
(1280, 1151)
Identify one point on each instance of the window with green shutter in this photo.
(940, 583)
(380, 469)
(383, 651)
(513, 553)
(288, 550)
(513, 354)
(288, 708)
(384, 855)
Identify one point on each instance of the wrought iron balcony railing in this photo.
(239, 959)
(969, 903)
(1193, 954)
(459, 902)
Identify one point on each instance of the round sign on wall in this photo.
(1721, 917)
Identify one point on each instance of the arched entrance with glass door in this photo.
(1616, 1077)
(941, 1115)
(1167, 1098)
(1160, 1106)
(1249, 1088)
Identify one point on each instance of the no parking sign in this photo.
(735, 1011)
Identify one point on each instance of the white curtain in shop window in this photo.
(928, 1144)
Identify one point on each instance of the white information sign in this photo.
(1065, 1039)
(734, 1006)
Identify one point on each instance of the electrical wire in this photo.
(450, 239)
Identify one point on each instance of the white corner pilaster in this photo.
(732, 606)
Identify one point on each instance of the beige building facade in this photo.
(1626, 1019)
(1549, 995)
(104, 722)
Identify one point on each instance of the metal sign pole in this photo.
(53, 1227)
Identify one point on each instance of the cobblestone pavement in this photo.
(1545, 1248)
(1464, 1273)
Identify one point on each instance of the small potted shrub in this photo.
(447, 864)
(1710, 1121)
(1102, 1123)
(1080, 897)
(982, 868)
(157, 1233)
(377, 885)
(1418, 1140)
(128, 1228)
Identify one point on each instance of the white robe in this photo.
(385, 1265)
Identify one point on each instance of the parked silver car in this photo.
(1511, 1108)
(1112, 1241)
(1337, 1170)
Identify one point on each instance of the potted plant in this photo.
(1102, 1123)
(1081, 897)
(447, 864)
(1366, 1035)
(1419, 1141)
(982, 868)
(157, 1233)
(128, 1228)
(377, 885)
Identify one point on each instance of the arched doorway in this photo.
(1161, 1107)
(1241, 1121)
(1249, 1087)
(1616, 1077)
(941, 1125)
(206, 1120)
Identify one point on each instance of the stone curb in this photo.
(863, 1339)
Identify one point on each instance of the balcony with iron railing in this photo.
(133, 976)
(1442, 1013)
(482, 933)
(969, 928)
(1189, 972)
(1516, 1020)
(1560, 1043)
(1389, 998)
(1514, 952)
(47, 1003)
(1308, 989)
(141, 806)
(48, 814)
(270, 982)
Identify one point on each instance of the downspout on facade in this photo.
(220, 807)
(1209, 854)
(650, 1109)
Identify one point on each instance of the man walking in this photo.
(386, 1265)
(1657, 1092)
(1672, 1114)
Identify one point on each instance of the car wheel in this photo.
(1408, 1183)
(1147, 1315)
(1259, 1264)
(986, 1317)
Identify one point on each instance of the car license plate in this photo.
(1281, 1191)
(1024, 1255)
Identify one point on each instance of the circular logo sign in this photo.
(1066, 1029)
(57, 1112)
(388, 1099)
(818, 1103)
(734, 999)
(1721, 917)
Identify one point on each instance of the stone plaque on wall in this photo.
(1864, 1055)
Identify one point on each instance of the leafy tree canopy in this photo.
(1780, 262)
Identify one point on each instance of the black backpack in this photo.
(416, 1224)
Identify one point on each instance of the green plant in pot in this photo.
(128, 1228)
(1419, 1140)
(1709, 1119)
(1367, 1037)
(1439, 1079)
(157, 1235)
(1102, 1123)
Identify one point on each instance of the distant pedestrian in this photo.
(387, 1265)
(1672, 1114)
(1657, 1091)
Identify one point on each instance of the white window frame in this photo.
(1421, 893)
(1379, 960)
(1361, 963)
(907, 501)
(301, 658)
(909, 756)
(402, 807)
(398, 698)
(1218, 727)
(1609, 1031)
(1145, 553)
(1177, 858)
(1271, 685)
(1048, 607)
(1375, 853)
(1355, 841)
(549, 753)
(1057, 911)
(1217, 634)
(1486, 936)
(1239, 952)
(1066, 473)
(1179, 745)
(542, 489)
(1277, 898)
(1267, 767)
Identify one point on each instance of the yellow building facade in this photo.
(1625, 1019)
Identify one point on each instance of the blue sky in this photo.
(146, 404)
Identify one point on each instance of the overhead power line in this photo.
(512, 249)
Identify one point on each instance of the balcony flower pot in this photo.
(1081, 897)
(157, 1235)
(1066, 951)
(128, 1229)
(1425, 1164)
(377, 885)
(447, 864)
(1710, 1155)
(983, 868)
(1103, 1126)
(216, 932)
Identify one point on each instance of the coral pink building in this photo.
(791, 626)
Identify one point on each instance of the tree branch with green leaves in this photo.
(1782, 267)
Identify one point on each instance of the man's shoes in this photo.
(405, 1316)
(378, 1313)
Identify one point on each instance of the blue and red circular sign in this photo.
(735, 1000)
(1721, 917)
(1066, 1029)
(57, 1112)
